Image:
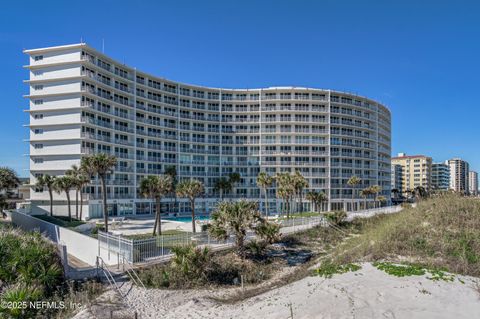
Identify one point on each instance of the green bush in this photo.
(336, 217)
(269, 232)
(195, 267)
(30, 269)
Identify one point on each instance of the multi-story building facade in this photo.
(397, 179)
(440, 176)
(83, 102)
(416, 171)
(458, 175)
(473, 183)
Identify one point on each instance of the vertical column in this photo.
(135, 141)
(329, 177)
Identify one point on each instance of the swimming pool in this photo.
(187, 219)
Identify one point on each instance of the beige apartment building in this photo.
(416, 171)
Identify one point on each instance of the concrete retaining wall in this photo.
(81, 246)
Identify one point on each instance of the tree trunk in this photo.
(68, 204)
(76, 203)
(352, 199)
(50, 193)
(301, 202)
(81, 204)
(104, 196)
(266, 203)
(239, 242)
(158, 216)
(156, 220)
(192, 205)
(287, 207)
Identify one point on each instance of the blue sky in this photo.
(421, 58)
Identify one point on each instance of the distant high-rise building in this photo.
(473, 183)
(458, 175)
(440, 176)
(397, 177)
(416, 171)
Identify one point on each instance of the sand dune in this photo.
(367, 293)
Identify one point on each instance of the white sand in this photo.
(368, 293)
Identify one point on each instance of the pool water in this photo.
(187, 219)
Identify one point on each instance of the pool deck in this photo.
(143, 225)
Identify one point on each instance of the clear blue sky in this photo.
(421, 58)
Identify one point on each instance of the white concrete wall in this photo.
(55, 117)
(58, 87)
(57, 147)
(66, 132)
(55, 72)
(81, 246)
(56, 56)
(56, 102)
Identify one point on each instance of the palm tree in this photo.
(353, 182)
(316, 198)
(75, 172)
(191, 189)
(382, 199)
(299, 184)
(222, 185)
(101, 164)
(172, 172)
(264, 181)
(395, 192)
(285, 189)
(156, 187)
(82, 181)
(65, 184)
(47, 181)
(420, 192)
(365, 193)
(234, 178)
(235, 218)
(375, 190)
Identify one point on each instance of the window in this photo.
(38, 131)
(38, 87)
(38, 102)
(38, 160)
(38, 116)
(38, 146)
(38, 72)
(38, 57)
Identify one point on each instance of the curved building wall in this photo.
(83, 102)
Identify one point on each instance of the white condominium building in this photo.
(473, 183)
(458, 175)
(83, 102)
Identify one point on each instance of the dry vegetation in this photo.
(440, 233)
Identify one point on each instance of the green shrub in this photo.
(256, 247)
(267, 231)
(30, 259)
(19, 293)
(336, 217)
